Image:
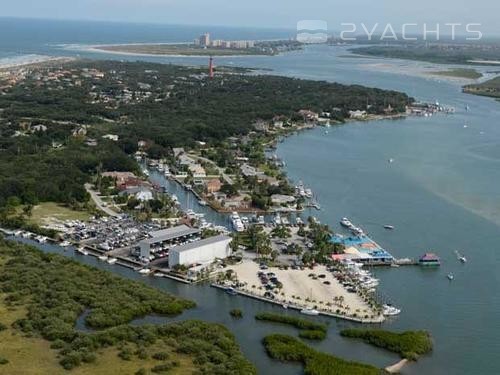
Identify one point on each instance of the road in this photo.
(98, 201)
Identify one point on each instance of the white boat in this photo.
(460, 257)
(345, 222)
(158, 274)
(299, 221)
(309, 311)
(450, 276)
(81, 250)
(144, 271)
(245, 221)
(260, 220)
(41, 239)
(390, 227)
(103, 258)
(65, 244)
(391, 160)
(285, 306)
(236, 222)
(277, 219)
(111, 260)
(202, 202)
(389, 310)
(284, 221)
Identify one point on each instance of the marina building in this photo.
(200, 252)
(166, 238)
(363, 249)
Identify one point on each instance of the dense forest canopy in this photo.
(165, 105)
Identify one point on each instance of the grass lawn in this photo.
(44, 212)
(33, 356)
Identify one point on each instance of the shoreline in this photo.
(34, 60)
(99, 49)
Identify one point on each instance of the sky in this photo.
(266, 13)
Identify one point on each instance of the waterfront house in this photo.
(249, 171)
(280, 199)
(309, 115)
(214, 186)
(39, 128)
(357, 114)
(144, 195)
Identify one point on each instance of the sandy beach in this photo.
(101, 49)
(303, 291)
(24, 60)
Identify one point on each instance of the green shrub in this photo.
(161, 356)
(3, 327)
(3, 361)
(236, 313)
(289, 349)
(409, 344)
(299, 323)
(165, 367)
(312, 334)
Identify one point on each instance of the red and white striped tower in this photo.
(211, 68)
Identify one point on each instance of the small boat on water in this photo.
(158, 274)
(236, 222)
(202, 202)
(285, 306)
(103, 258)
(231, 291)
(65, 244)
(81, 250)
(461, 257)
(144, 271)
(389, 310)
(450, 276)
(390, 161)
(390, 227)
(111, 260)
(41, 239)
(345, 222)
(309, 311)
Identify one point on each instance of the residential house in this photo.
(214, 186)
(111, 137)
(357, 114)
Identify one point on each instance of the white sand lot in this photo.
(303, 291)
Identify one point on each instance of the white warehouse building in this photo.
(200, 252)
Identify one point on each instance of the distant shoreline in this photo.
(27, 60)
(128, 50)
